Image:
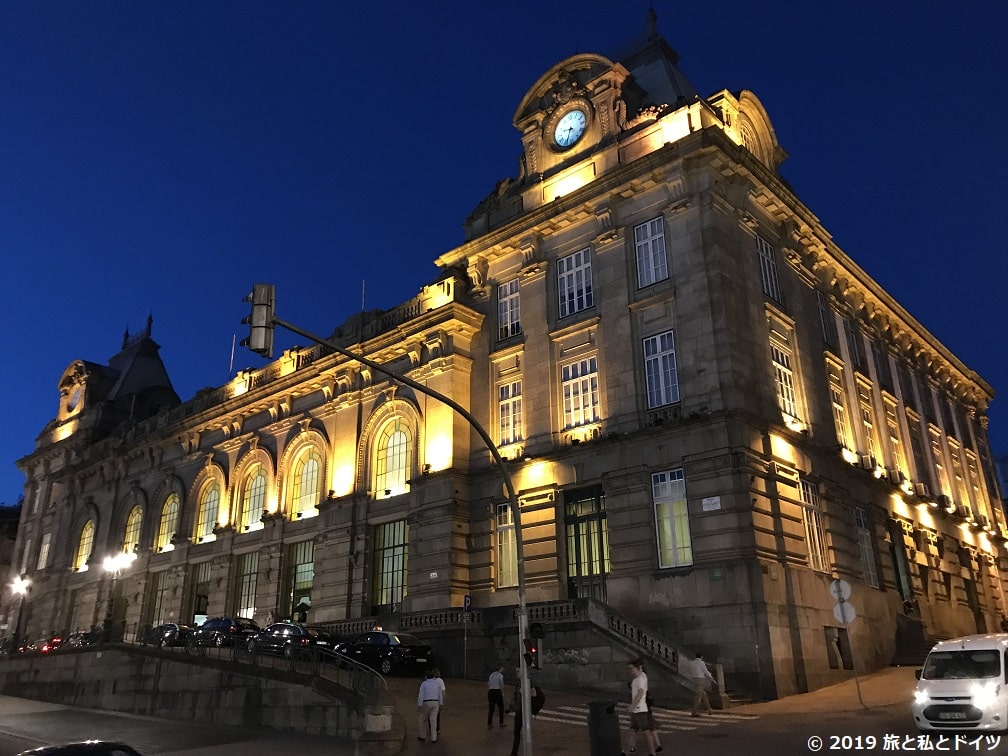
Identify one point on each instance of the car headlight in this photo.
(920, 697)
(984, 695)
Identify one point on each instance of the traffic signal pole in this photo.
(265, 316)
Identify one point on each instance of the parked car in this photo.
(78, 639)
(48, 645)
(225, 631)
(87, 748)
(388, 651)
(169, 634)
(284, 637)
(961, 686)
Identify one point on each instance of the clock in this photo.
(570, 128)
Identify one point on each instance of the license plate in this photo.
(952, 715)
(421, 659)
(323, 643)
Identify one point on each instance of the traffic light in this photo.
(260, 319)
(531, 654)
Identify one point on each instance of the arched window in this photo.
(305, 495)
(131, 537)
(253, 499)
(84, 547)
(392, 460)
(207, 518)
(169, 523)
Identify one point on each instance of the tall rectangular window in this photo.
(855, 344)
(895, 437)
(768, 269)
(652, 264)
(938, 455)
(815, 532)
(660, 370)
(827, 320)
(675, 545)
(882, 367)
(43, 554)
(579, 384)
(25, 555)
(917, 450)
(302, 572)
(509, 401)
(839, 404)
(508, 310)
(507, 548)
(866, 546)
(574, 282)
(390, 563)
(159, 598)
(784, 380)
(248, 577)
(868, 423)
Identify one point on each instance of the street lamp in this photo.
(262, 321)
(114, 565)
(21, 585)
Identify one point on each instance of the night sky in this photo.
(159, 158)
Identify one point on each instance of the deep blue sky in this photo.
(160, 157)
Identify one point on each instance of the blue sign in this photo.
(467, 603)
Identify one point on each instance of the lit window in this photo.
(131, 538)
(392, 460)
(248, 577)
(660, 370)
(780, 356)
(892, 424)
(815, 532)
(207, 519)
(391, 563)
(574, 282)
(938, 455)
(768, 268)
(652, 264)
(507, 548)
(579, 383)
(43, 555)
(868, 422)
(168, 524)
(301, 577)
(307, 484)
(675, 545)
(839, 404)
(253, 498)
(84, 546)
(508, 310)
(510, 404)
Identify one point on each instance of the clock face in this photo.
(570, 128)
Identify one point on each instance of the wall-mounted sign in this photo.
(710, 503)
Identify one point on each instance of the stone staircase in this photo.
(912, 642)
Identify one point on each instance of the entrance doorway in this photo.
(587, 543)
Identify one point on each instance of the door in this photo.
(587, 543)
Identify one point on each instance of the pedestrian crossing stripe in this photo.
(665, 719)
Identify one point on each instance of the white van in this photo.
(963, 685)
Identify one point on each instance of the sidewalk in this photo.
(893, 685)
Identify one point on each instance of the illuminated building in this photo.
(710, 409)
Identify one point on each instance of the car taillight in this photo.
(305, 641)
(232, 629)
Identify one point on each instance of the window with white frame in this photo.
(660, 369)
(938, 456)
(253, 498)
(781, 360)
(866, 546)
(895, 437)
(868, 423)
(675, 544)
(652, 263)
(307, 483)
(168, 523)
(509, 402)
(574, 282)
(508, 310)
(43, 554)
(768, 268)
(25, 555)
(579, 385)
(392, 460)
(815, 531)
(839, 405)
(131, 536)
(507, 548)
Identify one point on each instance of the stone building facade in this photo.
(709, 410)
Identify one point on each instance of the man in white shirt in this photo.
(640, 719)
(495, 696)
(702, 680)
(429, 700)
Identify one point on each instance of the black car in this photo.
(388, 651)
(169, 634)
(225, 631)
(87, 748)
(78, 639)
(284, 637)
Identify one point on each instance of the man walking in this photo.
(429, 699)
(495, 695)
(703, 680)
(640, 719)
